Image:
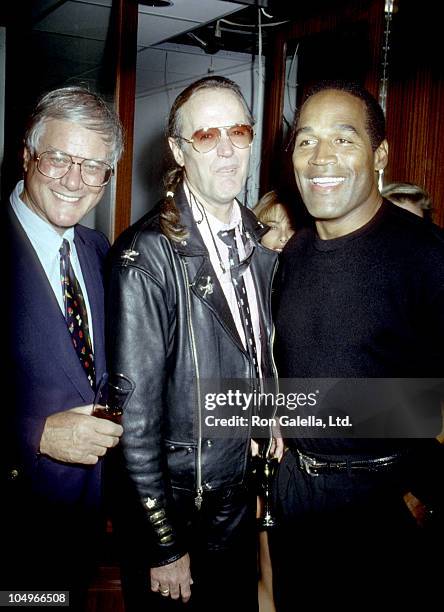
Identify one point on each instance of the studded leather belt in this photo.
(315, 466)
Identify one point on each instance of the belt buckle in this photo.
(309, 464)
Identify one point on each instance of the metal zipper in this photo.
(273, 334)
(270, 343)
(273, 363)
(199, 489)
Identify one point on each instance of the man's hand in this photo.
(254, 448)
(74, 436)
(276, 448)
(174, 579)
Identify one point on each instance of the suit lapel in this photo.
(35, 299)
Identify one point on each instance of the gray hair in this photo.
(400, 192)
(81, 106)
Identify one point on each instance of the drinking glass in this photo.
(112, 396)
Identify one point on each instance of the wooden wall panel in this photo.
(415, 118)
(126, 17)
(434, 171)
(273, 109)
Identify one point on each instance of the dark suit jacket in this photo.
(44, 374)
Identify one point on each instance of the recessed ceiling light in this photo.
(156, 3)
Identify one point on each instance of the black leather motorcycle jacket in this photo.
(170, 327)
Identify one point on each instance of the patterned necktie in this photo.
(229, 238)
(75, 313)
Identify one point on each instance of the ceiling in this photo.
(158, 25)
(70, 37)
(210, 24)
(89, 19)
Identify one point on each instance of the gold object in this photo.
(267, 520)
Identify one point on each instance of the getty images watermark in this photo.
(321, 408)
(256, 402)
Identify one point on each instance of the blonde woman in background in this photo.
(271, 211)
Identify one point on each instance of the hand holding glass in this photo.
(112, 396)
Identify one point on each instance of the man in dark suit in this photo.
(55, 349)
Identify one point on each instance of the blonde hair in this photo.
(264, 208)
(400, 192)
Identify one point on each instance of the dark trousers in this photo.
(221, 539)
(48, 548)
(345, 533)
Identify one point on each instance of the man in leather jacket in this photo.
(174, 321)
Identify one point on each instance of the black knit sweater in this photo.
(366, 305)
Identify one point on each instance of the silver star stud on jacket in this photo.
(207, 289)
(129, 254)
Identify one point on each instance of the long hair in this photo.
(169, 215)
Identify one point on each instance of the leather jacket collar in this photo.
(193, 244)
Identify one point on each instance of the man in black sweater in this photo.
(361, 296)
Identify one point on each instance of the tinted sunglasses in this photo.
(206, 139)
